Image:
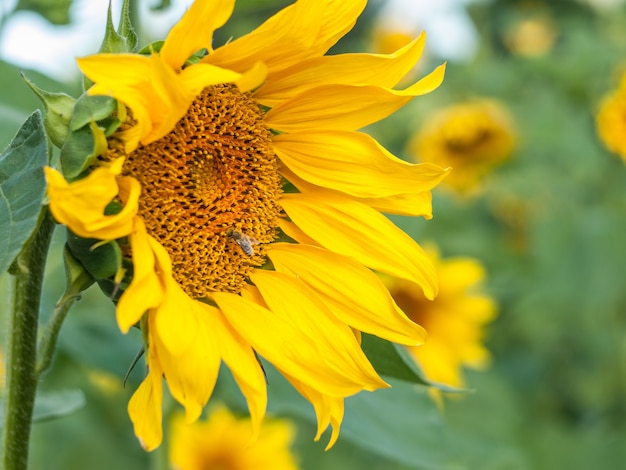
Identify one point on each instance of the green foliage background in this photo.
(549, 227)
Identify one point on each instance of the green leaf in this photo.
(57, 404)
(387, 360)
(22, 187)
(402, 423)
(393, 360)
(55, 11)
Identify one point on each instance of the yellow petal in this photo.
(292, 301)
(328, 410)
(354, 163)
(414, 205)
(242, 362)
(146, 289)
(352, 292)
(195, 30)
(345, 107)
(307, 28)
(175, 319)
(157, 95)
(196, 78)
(349, 69)
(80, 205)
(417, 204)
(144, 408)
(294, 232)
(126, 77)
(252, 78)
(190, 375)
(359, 232)
(287, 347)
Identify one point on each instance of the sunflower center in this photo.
(210, 191)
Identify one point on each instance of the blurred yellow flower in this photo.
(386, 40)
(199, 167)
(531, 37)
(470, 137)
(454, 321)
(611, 120)
(222, 442)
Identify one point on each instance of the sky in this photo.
(29, 41)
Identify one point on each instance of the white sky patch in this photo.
(451, 34)
(30, 41)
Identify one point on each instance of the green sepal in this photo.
(77, 277)
(124, 39)
(114, 289)
(100, 260)
(87, 138)
(125, 27)
(58, 108)
(91, 108)
(78, 153)
(152, 47)
(117, 42)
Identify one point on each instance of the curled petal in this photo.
(81, 205)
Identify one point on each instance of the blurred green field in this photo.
(548, 226)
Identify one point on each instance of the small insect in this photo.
(244, 241)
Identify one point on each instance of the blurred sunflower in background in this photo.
(222, 442)
(455, 321)
(611, 120)
(470, 137)
(251, 208)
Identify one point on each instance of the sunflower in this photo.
(454, 321)
(470, 137)
(251, 207)
(222, 442)
(610, 120)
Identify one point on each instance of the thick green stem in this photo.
(22, 346)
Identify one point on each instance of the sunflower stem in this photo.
(28, 272)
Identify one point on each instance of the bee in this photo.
(244, 241)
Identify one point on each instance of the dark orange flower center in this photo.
(210, 191)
